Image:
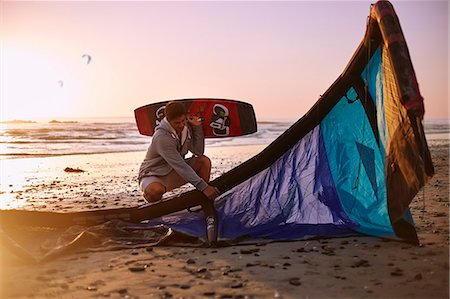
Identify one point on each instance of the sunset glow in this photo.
(286, 53)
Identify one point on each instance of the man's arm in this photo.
(167, 148)
(198, 148)
(198, 137)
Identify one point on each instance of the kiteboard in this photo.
(220, 117)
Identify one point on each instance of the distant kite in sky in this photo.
(60, 83)
(87, 58)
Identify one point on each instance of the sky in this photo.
(278, 56)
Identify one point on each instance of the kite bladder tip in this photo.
(211, 231)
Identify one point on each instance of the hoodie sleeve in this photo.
(198, 140)
(166, 146)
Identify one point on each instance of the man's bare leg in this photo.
(202, 166)
(154, 192)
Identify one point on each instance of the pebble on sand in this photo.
(295, 281)
(137, 268)
(70, 169)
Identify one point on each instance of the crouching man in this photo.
(164, 167)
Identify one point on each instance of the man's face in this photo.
(178, 123)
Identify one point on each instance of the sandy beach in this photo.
(353, 267)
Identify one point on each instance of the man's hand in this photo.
(194, 120)
(211, 192)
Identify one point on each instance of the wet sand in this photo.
(105, 181)
(353, 267)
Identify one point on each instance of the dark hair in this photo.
(174, 109)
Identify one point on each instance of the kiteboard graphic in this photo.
(159, 115)
(220, 121)
(220, 117)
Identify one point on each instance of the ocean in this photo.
(22, 139)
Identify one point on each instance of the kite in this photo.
(87, 58)
(351, 165)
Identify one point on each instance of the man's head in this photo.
(176, 115)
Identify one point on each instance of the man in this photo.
(164, 167)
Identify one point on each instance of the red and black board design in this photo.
(221, 117)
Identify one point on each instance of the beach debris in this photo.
(106, 269)
(236, 285)
(252, 264)
(295, 281)
(232, 270)
(328, 251)
(397, 272)
(91, 288)
(418, 276)
(70, 169)
(137, 268)
(361, 263)
(209, 293)
(249, 251)
(340, 277)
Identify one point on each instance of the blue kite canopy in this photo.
(353, 163)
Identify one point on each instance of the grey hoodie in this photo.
(166, 153)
